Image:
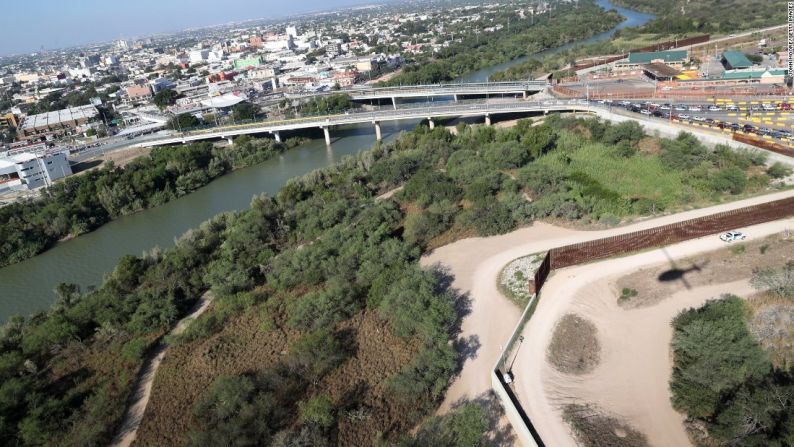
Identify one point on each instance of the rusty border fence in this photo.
(670, 234)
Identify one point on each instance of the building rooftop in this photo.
(736, 59)
(665, 56)
(753, 74)
(659, 70)
(60, 116)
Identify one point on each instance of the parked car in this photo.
(714, 108)
(732, 236)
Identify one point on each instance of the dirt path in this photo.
(143, 387)
(475, 264)
(632, 378)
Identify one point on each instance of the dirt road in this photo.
(632, 378)
(475, 264)
(143, 386)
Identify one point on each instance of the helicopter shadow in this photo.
(675, 273)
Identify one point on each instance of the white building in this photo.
(198, 56)
(31, 171)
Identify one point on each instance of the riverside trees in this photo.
(85, 202)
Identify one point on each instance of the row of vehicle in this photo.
(648, 110)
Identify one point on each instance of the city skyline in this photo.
(32, 30)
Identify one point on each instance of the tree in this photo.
(165, 98)
(229, 415)
(777, 281)
(462, 427)
(732, 180)
(318, 410)
(183, 122)
(778, 170)
(243, 111)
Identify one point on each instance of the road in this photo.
(420, 111)
(475, 264)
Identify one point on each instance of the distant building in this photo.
(30, 171)
(333, 49)
(57, 123)
(345, 78)
(735, 60)
(160, 84)
(660, 72)
(251, 62)
(8, 121)
(763, 76)
(362, 64)
(198, 56)
(674, 58)
(292, 31)
(123, 44)
(138, 94)
(256, 42)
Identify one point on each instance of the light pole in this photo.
(520, 340)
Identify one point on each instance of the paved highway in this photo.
(426, 111)
(421, 91)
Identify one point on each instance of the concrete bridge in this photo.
(523, 88)
(484, 109)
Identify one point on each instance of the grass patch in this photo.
(627, 294)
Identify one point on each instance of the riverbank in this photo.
(84, 203)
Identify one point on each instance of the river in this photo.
(633, 18)
(28, 286)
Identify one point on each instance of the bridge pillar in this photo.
(487, 120)
(431, 123)
(277, 136)
(394, 102)
(378, 134)
(327, 133)
(526, 94)
(230, 140)
(456, 97)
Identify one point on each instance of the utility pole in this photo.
(520, 341)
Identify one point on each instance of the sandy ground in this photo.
(475, 264)
(143, 387)
(632, 379)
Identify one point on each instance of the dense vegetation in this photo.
(705, 16)
(320, 253)
(85, 202)
(723, 379)
(473, 52)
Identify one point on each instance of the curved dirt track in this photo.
(143, 386)
(475, 264)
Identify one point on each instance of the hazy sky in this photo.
(29, 24)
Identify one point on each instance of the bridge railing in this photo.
(388, 112)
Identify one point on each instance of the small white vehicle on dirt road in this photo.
(732, 236)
